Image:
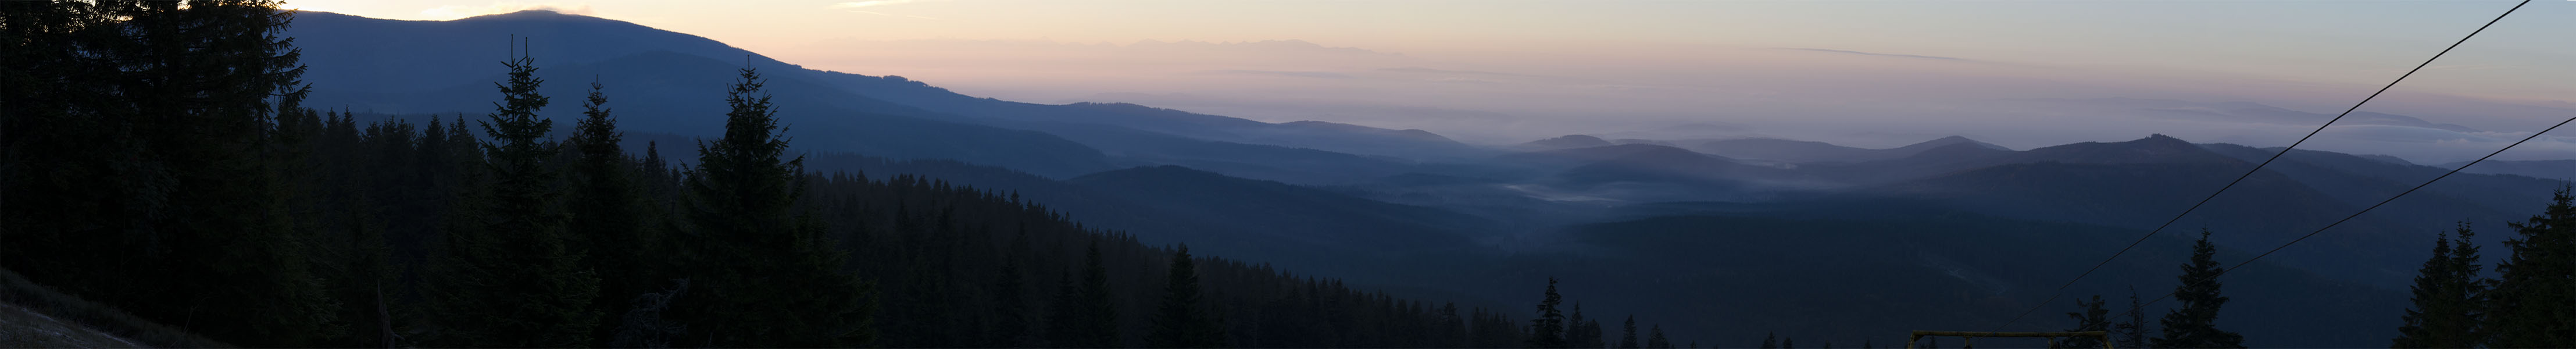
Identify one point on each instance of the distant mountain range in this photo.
(1686, 230)
(2254, 113)
(1762, 149)
(1564, 142)
(2547, 169)
(668, 82)
(1287, 225)
(2138, 183)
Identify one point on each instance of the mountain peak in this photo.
(2161, 144)
(2156, 148)
(1567, 142)
(528, 14)
(1946, 141)
(2160, 139)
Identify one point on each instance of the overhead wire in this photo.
(2232, 268)
(2061, 289)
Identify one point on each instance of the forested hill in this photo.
(158, 161)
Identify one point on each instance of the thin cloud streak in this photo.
(1301, 74)
(1876, 54)
(896, 15)
(1446, 71)
(873, 3)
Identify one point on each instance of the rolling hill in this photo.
(663, 80)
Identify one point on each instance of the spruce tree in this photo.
(2133, 333)
(1182, 322)
(608, 214)
(771, 279)
(1592, 337)
(2533, 303)
(1770, 341)
(1065, 317)
(513, 276)
(361, 272)
(1655, 339)
(1576, 336)
(2090, 316)
(2193, 324)
(1012, 328)
(1086, 316)
(141, 167)
(1548, 330)
(1097, 295)
(2427, 296)
(2448, 297)
(1628, 334)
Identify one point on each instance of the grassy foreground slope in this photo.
(35, 316)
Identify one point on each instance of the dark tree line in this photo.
(157, 159)
(2528, 302)
(142, 143)
(1551, 328)
(2194, 322)
(2190, 324)
(986, 269)
(2448, 296)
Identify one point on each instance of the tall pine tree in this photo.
(2090, 316)
(2533, 303)
(1182, 321)
(1065, 316)
(2133, 333)
(1548, 330)
(512, 277)
(1628, 334)
(1010, 304)
(1085, 314)
(1578, 336)
(1655, 339)
(2193, 324)
(2449, 297)
(142, 167)
(770, 278)
(608, 213)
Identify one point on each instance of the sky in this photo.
(1861, 73)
